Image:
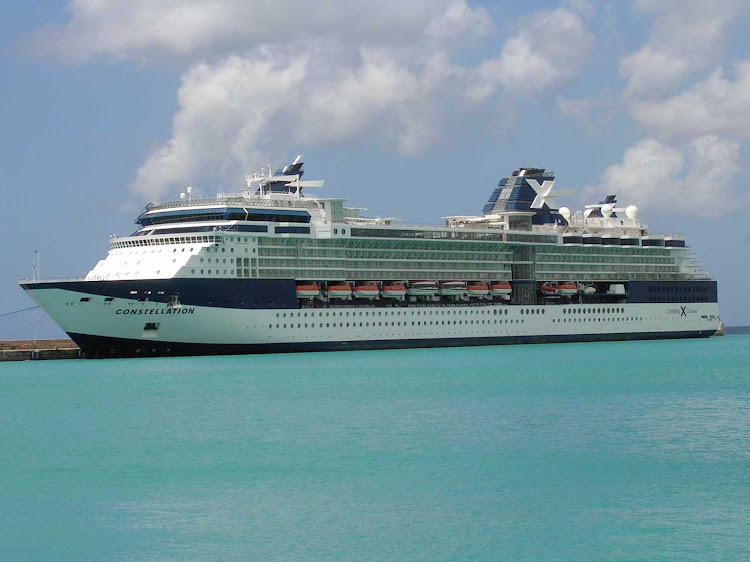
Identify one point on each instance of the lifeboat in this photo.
(549, 288)
(339, 291)
(422, 288)
(567, 288)
(307, 291)
(588, 290)
(480, 290)
(561, 288)
(394, 291)
(367, 291)
(452, 288)
(501, 289)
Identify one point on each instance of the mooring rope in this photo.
(19, 311)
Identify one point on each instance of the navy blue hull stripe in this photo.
(248, 294)
(243, 294)
(99, 347)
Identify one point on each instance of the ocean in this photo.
(629, 450)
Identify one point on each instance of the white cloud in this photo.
(193, 29)
(226, 113)
(548, 49)
(687, 36)
(653, 70)
(235, 113)
(263, 76)
(592, 114)
(715, 105)
(695, 178)
(583, 7)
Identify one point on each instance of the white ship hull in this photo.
(126, 327)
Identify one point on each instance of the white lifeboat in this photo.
(422, 288)
(452, 288)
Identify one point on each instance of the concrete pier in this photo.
(31, 350)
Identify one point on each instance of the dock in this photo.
(32, 350)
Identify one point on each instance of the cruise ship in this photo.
(277, 268)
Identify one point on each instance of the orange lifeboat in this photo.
(549, 288)
(501, 289)
(477, 290)
(367, 291)
(567, 288)
(307, 291)
(339, 291)
(394, 291)
(561, 288)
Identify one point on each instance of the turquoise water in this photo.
(605, 450)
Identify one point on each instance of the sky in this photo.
(410, 109)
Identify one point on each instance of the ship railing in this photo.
(53, 280)
(238, 200)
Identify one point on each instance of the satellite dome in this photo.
(632, 212)
(565, 212)
(607, 211)
(587, 212)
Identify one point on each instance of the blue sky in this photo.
(412, 110)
